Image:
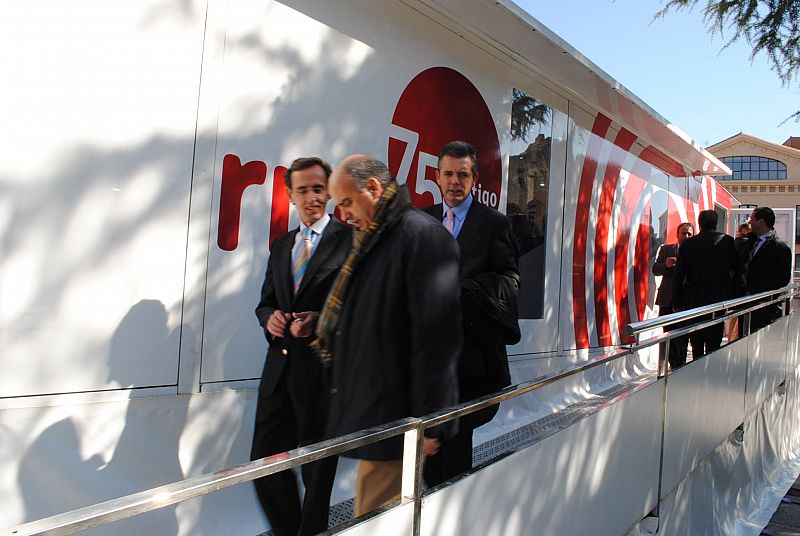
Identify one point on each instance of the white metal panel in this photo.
(793, 344)
(98, 105)
(58, 458)
(396, 521)
(598, 476)
(705, 403)
(300, 78)
(767, 364)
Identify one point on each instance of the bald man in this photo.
(391, 327)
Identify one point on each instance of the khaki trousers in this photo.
(378, 483)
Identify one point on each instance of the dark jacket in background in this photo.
(706, 270)
(489, 275)
(769, 269)
(664, 294)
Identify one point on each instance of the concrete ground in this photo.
(786, 519)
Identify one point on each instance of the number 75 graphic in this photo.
(424, 161)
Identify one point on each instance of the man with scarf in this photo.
(766, 266)
(391, 326)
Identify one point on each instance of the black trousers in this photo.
(707, 339)
(455, 453)
(678, 347)
(277, 430)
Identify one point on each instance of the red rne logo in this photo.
(438, 106)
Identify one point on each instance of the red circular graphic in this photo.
(441, 105)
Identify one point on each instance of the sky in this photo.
(677, 67)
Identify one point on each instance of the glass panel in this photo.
(528, 185)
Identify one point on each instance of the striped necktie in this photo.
(302, 256)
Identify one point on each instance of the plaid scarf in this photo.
(362, 241)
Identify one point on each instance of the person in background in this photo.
(767, 265)
(665, 266)
(705, 274)
(292, 400)
(489, 287)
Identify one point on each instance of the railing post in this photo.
(411, 487)
(663, 357)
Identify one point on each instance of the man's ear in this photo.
(374, 187)
(289, 194)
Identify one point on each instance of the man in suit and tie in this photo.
(705, 274)
(664, 266)
(489, 287)
(292, 396)
(767, 265)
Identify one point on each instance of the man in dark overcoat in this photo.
(766, 266)
(489, 286)
(705, 274)
(292, 401)
(391, 327)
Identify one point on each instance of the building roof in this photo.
(793, 141)
(743, 137)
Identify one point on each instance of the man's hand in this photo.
(303, 324)
(430, 446)
(277, 322)
(669, 262)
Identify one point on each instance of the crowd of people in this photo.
(710, 267)
(402, 313)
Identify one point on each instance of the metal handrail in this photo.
(145, 501)
(413, 428)
(636, 328)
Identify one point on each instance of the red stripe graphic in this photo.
(622, 144)
(640, 261)
(599, 129)
(630, 198)
(279, 213)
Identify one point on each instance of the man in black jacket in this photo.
(291, 397)
(391, 326)
(707, 265)
(767, 265)
(665, 266)
(489, 286)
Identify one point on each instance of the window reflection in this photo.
(528, 186)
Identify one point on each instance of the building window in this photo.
(753, 168)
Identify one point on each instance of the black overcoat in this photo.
(399, 334)
(706, 270)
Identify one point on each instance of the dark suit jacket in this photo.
(771, 267)
(488, 270)
(290, 360)
(664, 295)
(399, 333)
(706, 270)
